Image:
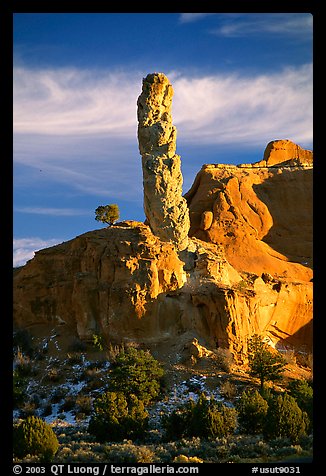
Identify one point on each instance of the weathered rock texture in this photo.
(285, 152)
(165, 208)
(260, 214)
(246, 268)
(126, 283)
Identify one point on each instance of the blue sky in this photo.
(240, 81)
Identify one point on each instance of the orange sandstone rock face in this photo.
(126, 283)
(102, 281)
(261, 215)
(247, 269)
(244, 267)
(286, 152)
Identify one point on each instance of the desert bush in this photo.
(187, 459)
(252, 411)
(204, 418)
(228, 390)
(284, 418)
(250, 447)
(74, 358)
(90, 374)
(128, 453)
(27, 409)
(23, 364)
(19, 389)
(115, 417)
(113, 350)
(136, 372)
(84, 404)
(22, 340)
(34, 437)
(58, 394)
(53, 375)
(68, 404)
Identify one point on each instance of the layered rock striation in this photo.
(165, 208)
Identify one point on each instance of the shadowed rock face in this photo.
(165, 208)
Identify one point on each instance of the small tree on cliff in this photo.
(263, 363)
(107, 213)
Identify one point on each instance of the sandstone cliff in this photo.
(242, 265)
(260, 213)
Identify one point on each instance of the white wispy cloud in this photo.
(216, 108)
(52, 211)
(80, 127)
(192, 17)
(297, 25)
(70, 101)
(24, 248)
(245, 109)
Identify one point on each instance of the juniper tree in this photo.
(107, 213)
(263, 363)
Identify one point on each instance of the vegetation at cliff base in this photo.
(121, 404)
(263, 362)
(35, 437)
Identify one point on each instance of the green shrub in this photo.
(264, 363)
(35, 437)
(128, 453)
(303, 394)
(252, 411)
(19, 389)
(115, 417)
(136, 372)
(228, 390)
(205, 418)
(285, 419)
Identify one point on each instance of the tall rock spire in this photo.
(165, 208)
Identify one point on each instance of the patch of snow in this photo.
(74, 388)
(179, 395)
